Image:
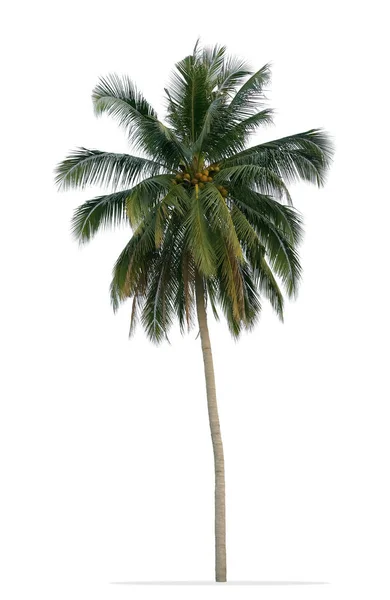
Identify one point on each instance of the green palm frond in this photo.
(233, 73)
(150, 192)
(267, 285)
(280, 250)
(251, 94)
(160, 307)
(212, 295)
(253, 176)
(230, 276)
(213, 116)
(131, 269)
(119, 98)
(158, 311)
(119, 288)
(259, 206)
(84, 167)
(199, 238)
(255, 252)
(184, 298)
(306, 156)
(247, 235)
(230, 135)
(283, 259)
(219, 218)
(252, 303)
(214, 58)
(99, 213)
(250, 307)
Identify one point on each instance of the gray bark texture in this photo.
(219, 466)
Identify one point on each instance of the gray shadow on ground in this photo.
(219, 584)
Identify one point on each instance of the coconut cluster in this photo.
(200, 178)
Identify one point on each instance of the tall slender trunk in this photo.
(219, 465)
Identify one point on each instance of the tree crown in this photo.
(197, 198)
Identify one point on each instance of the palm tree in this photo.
(212, 220)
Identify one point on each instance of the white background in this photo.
(106, 458)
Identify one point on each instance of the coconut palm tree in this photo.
(212, 219)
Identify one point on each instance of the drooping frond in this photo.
(254, 253)
(199, 239)
(305, 156)
(211, 287)
(85, 167)
(148, 193)
(230, 275)
(131, 267)
(159, 310)
(280, 248)
(119, 97)
(119, 288)
(267, 285)
(250, 301)
(99, 213)
(219, 218)
(257, 205)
